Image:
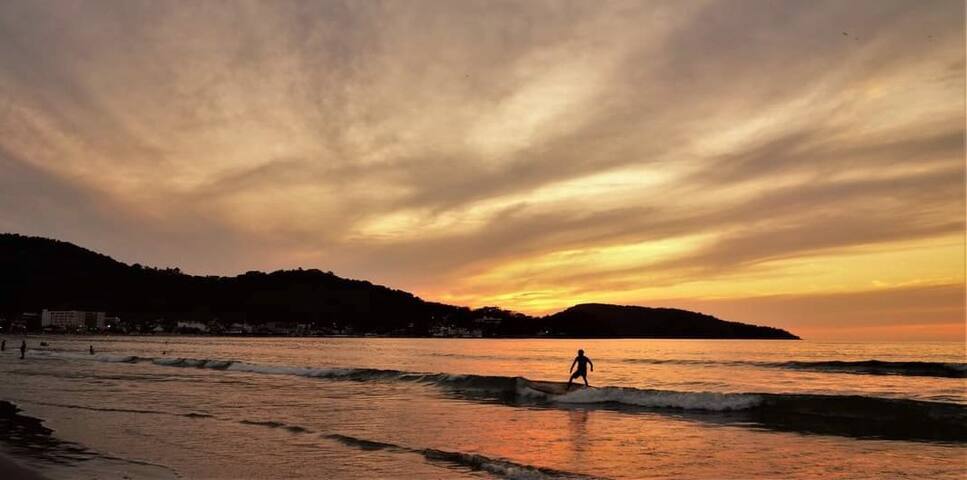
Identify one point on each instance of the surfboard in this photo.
(553, 388)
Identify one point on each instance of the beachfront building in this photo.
(192, 327)
(239, 329)
(71, 319)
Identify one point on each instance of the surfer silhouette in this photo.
(582, 363)
(23, 349)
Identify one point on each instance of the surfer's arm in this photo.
(591, 364)
(572, 365)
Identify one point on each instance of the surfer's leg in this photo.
(585, 377)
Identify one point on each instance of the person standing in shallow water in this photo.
(582, 363)
(91, 349)
(23, 349)
(3, 344)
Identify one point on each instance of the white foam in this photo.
(285, 370)
(524, 390)
(662, 399)
(167, 361)
(511, 471)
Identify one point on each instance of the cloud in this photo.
(480, 151)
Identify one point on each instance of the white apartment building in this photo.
(201, 327)
(71, 319)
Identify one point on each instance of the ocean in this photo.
(205, 407)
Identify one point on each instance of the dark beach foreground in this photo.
(21, 434)
(9, 468)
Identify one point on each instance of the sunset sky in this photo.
(798, 164)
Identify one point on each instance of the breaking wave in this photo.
(880, 367)
(709, 401)
(896, 418)
(518, 386)
(862, 367)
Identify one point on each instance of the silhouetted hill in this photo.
(591, 320)
(38, 273)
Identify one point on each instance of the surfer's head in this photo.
(580, 352)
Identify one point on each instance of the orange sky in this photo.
(788, 163)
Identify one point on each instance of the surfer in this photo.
(23, 349)
(582, 362)
(91, 349)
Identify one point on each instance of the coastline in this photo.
(371, 336)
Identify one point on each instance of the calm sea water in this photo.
(163, 407)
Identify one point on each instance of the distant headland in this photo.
(38, 274)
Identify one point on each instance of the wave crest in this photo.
(880, 367)
(473, 461)
(859, 367)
